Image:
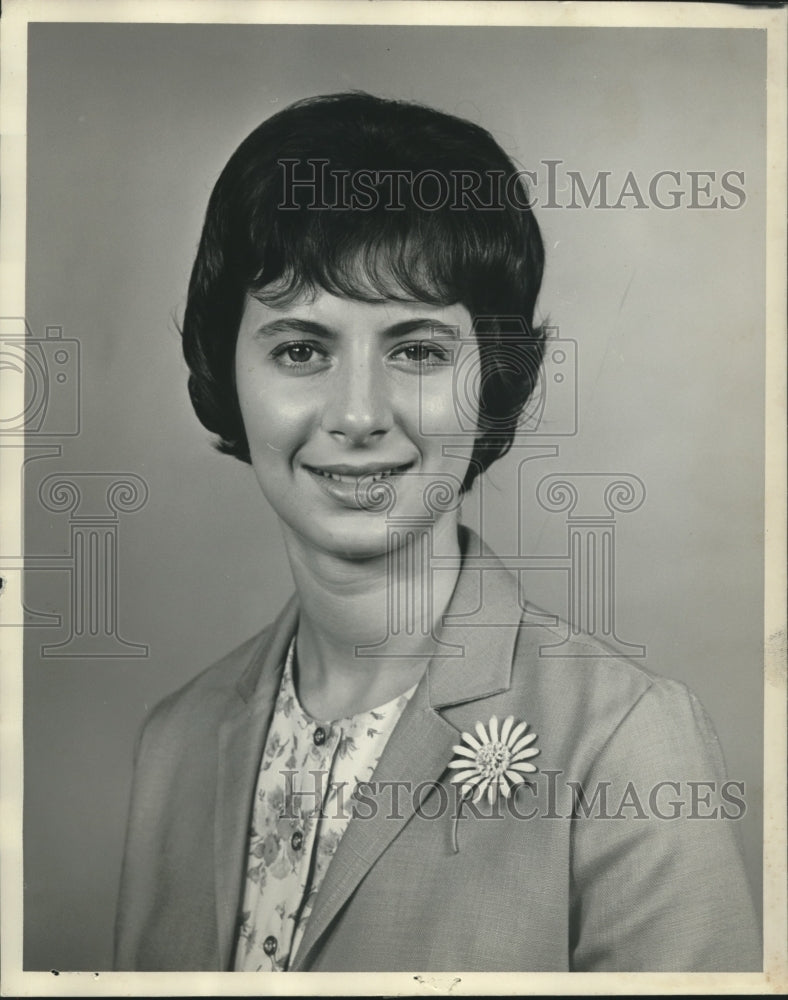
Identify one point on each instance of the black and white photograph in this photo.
(393, 451)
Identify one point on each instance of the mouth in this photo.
(351, 475)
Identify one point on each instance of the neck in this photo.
(347, 605)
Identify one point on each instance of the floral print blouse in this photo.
(303, 803)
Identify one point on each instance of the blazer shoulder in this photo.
(583, 682)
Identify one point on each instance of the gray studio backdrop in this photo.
(129, 126)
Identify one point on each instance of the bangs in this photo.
(409, 255)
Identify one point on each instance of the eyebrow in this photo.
(311, 328)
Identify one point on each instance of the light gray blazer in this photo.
(621, 889)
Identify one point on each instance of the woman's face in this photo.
(334, 392)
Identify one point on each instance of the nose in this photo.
(358, 407)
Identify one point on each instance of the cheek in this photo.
(448, 405)
(275, 416)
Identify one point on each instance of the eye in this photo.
(298, 354)
(424, 354)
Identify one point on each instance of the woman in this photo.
(390, 776)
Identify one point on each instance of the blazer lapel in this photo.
(241, 739)
(418, 750)
(483, 616)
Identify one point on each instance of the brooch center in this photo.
(492, 759)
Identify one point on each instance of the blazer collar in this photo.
(481, 621)
(418, 751)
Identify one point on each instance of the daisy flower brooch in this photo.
(495, 760)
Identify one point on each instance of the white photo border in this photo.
(17, 14)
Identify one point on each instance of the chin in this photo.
(358, 545)
(341, 538)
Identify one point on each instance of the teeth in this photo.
(376, 477)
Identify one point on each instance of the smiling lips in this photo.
(351, 475)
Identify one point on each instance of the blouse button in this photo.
(297, 840)
(269, 945)
(319, 736)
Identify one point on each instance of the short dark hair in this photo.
(475, 248)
